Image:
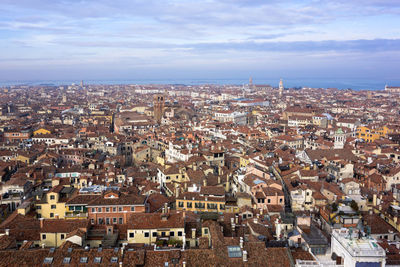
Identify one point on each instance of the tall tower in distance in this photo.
(281, 88)
(82, 83)
(158, 107)
(251, 82)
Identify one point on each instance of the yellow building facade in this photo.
(50, 206)
(194, 202)
(370, 135)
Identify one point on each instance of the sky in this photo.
(183, 39)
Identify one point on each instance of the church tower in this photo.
(339, 139)
(158, 107)
(281, 88)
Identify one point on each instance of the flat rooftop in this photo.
(358, 247)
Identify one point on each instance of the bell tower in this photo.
(281, 88)
(158, 107)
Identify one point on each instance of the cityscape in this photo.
(208, 175)
(183, 133)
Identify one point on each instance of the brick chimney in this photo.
(193, 233)
(125, 214)
(41, 222)
(244, 255)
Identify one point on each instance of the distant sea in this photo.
(355, 84)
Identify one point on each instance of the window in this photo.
(212, 206)
(38, 207)
(62, 236)
(83, 260)
(93, 210)
(43, 237)
(53, 207)
(92, 221)
(172, 233)
(67, 260)
(97, 260)
(51, 215)
(180, 204)
(179, 233)
(114, 259)
(205, 231)
(119, 208)
(114, 220)
(48, 260)
(146, 234)
(131, 235)
(154, 234)
(269, 200)
(107, 209)
(52, 197)
(114, 209)
(199, 205)
(189, 204)
(107, 220)
(98, 209)
(132, 208)
(280, 200)
(121, 220)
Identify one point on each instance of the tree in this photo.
(354, 205)
(334, 207)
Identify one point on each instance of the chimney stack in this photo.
(193, 233)
(244, 255)
(165, 207)
(41, 222)
(57, 217)
(7, 231)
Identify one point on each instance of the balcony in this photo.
(76, 215)
(167, 242)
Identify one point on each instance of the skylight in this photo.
(234, 252)
(48, 260)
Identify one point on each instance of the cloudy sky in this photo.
(184, 39)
